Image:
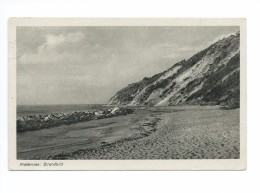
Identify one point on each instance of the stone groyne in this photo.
(44, 121)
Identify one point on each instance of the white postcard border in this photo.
(194, 164)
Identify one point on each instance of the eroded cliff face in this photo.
(211, 76)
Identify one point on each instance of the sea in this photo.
(23, 110)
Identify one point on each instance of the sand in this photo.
(187, 132)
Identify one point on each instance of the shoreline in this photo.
(44, 121)
(186, 132)
(143, 134)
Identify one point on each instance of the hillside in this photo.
(211, 76)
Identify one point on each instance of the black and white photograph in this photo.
(157, 91)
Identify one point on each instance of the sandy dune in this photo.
(186, 132)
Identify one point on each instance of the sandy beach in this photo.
(181, 132)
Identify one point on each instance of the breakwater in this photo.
(44, 121)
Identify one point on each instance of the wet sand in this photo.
(188, 132)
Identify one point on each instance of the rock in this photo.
(20, 119)
(115, 110)
(33, 122)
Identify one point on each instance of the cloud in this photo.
(68, 37)
(89, 64)
(53, 49)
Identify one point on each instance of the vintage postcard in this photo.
(127, 94)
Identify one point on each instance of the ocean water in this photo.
(46, 109)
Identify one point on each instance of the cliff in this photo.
(211, 76)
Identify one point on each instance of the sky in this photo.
(88, 65)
